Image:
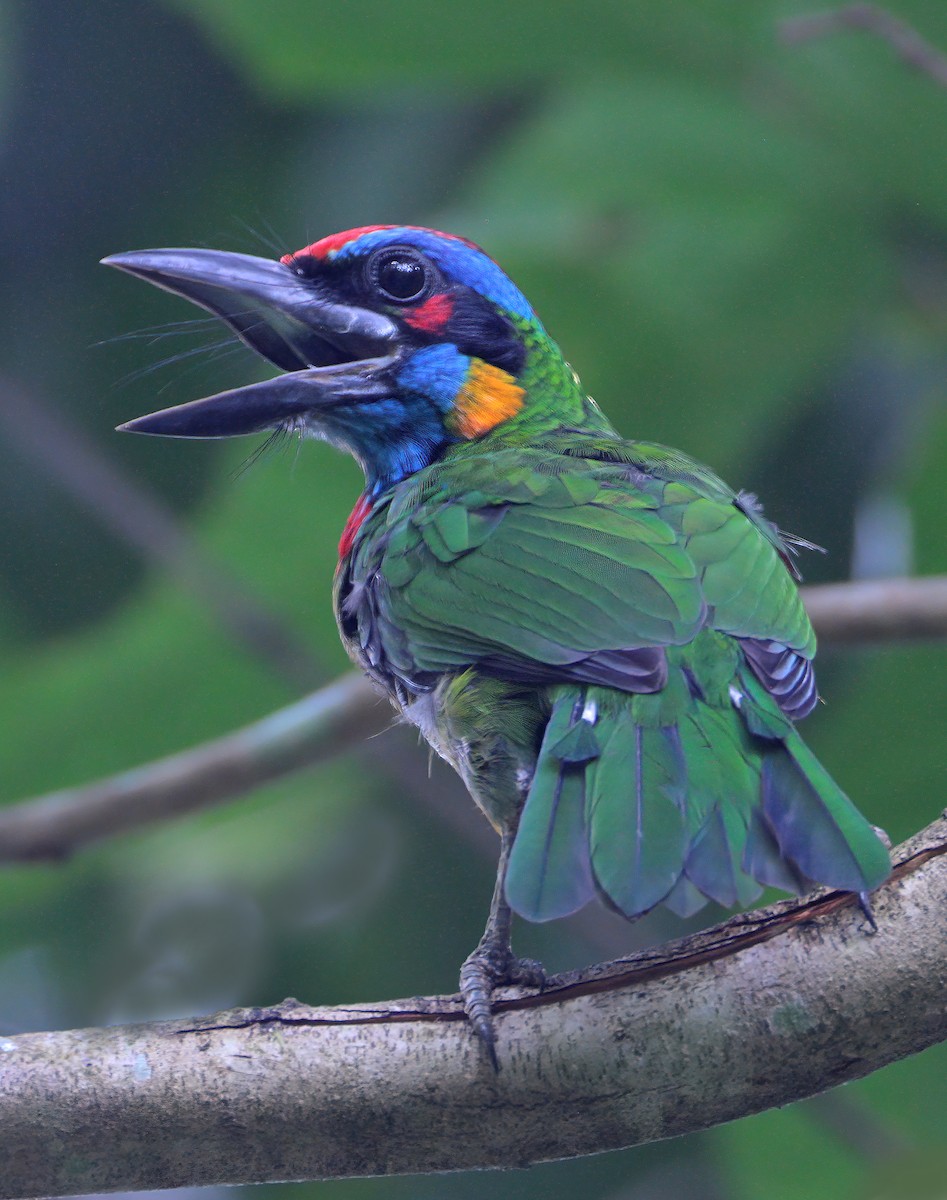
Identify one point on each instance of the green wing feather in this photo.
(553, 557)
(547, 555)
(536, 572)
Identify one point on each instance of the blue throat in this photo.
(394, 438)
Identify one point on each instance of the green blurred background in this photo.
(741, 245)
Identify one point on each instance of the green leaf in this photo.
(697, 257)
(296, 49)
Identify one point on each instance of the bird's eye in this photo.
(401, 274)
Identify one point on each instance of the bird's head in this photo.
(396, 343)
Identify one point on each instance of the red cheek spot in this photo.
(433, 314)
(353, 524)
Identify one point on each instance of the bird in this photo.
(601, 637)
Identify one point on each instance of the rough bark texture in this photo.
(767, 1008)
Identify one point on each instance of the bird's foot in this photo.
(492, 965)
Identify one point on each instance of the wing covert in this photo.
(546, 568)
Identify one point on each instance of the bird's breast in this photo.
(372, 638)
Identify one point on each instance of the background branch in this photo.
(878, 610)
(913, 50)
(767, 1008)
(348, 712)
(301, 735)
(129, 511)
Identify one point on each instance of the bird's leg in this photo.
(493, 964)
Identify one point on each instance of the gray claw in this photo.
(489, 967)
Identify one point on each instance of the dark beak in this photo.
(335, 353)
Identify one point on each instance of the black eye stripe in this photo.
(401, 273)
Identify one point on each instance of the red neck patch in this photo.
(358, 514)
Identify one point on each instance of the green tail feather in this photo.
(819, 833)
(637, 838)
(549, 873)
(684, 899)
(763, 859)
(816, 826)
(723, 787)
(680, 798)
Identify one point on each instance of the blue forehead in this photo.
(457, 258)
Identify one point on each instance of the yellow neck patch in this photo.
(487, 396)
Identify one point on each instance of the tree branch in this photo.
(127, 509)
(878, 610)
(301, 735)
(765, 1009)
(914, 50)
(347, 713)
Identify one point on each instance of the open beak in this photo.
(333, 353)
